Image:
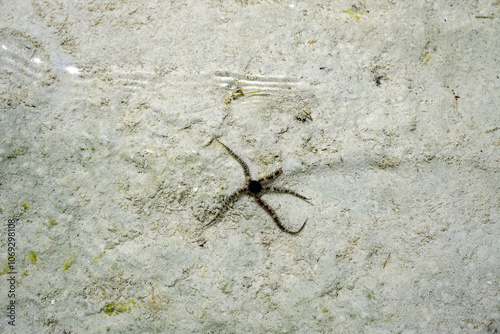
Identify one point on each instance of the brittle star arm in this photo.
(274, 216)
(246, 170)
(231, 199)
(271, 176)
(285, 191)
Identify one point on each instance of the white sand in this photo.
(106, 115)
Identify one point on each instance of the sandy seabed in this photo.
(385, 114)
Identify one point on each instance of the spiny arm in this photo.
(275, 217)
(246, 170)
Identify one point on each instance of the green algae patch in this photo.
(68, 263)
(32, 257)
(111, 308)
(97, 257)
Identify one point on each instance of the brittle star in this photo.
(256, 188)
